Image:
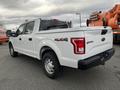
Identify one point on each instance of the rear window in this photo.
(53, 24)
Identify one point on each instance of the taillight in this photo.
(79, 45)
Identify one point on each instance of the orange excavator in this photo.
(110, 18)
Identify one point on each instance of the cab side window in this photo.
(21, 29)
(29, 28)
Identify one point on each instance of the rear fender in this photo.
(52, 45)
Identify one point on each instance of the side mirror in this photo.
(10, 33)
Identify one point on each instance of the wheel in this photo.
(12, 52)
(51, 65)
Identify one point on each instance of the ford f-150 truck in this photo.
(57, 44)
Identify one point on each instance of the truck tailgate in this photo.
(97, 41)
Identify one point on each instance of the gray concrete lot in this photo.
(25, 73)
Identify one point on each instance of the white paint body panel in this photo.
(64, 50)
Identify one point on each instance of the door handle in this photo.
(20, 39)
(30, 39)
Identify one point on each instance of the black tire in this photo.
(55, 70)
(12, 52)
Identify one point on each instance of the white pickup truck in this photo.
(57, 45)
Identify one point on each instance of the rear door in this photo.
(27, 38)
(97, 41)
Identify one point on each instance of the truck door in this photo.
(27, 39)
(18, 44)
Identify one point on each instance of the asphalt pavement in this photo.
(25, 73)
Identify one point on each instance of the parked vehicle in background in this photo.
(57, 44)
(3, 37)
(110, 18)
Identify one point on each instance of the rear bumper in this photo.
(96, 60)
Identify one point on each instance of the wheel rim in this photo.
(11, 50)
(49, 66)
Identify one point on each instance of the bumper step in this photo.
(96, 60)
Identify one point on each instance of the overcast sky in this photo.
(16, 11)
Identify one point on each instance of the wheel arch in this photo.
(46, 49)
